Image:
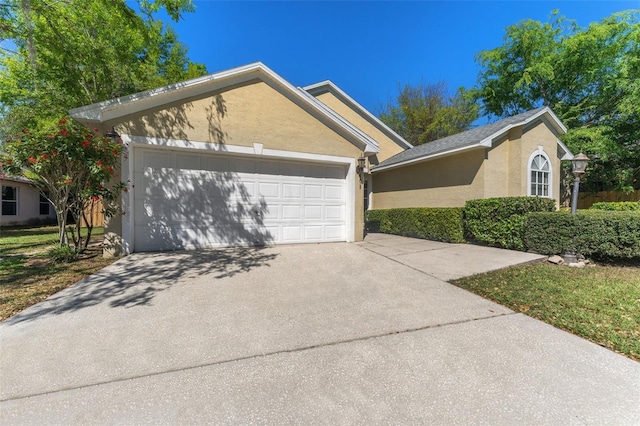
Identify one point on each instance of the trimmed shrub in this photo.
(606, 235)
(550, 232)
(437, 224)
(499, 222)
(617, 206)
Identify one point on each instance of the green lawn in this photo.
(28, 276)
(599, 303)
(29, 240)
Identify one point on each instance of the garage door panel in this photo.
(334, 232)
(270, 212)
(291, 233)
(313, 232)
(154, 159)
(270, 168)
(313, 212)
(269, 189)
(188, 161)
(335, 213)
(189, 187)
(291, 190)
(241, 165)
(313, 192)
(337, 173)
(334, 192)
(183, 200)
(291, 212)
(216, 164)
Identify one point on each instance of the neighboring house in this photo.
(517, 156)
(22, 204)
(242, 157)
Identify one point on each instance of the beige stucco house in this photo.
(242, 157)
(517, 156)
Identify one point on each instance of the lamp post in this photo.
(579, 164)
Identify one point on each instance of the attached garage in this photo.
(184, 199)
(239, 158)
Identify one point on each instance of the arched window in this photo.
(539, 174)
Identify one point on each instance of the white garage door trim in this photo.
(134, 143)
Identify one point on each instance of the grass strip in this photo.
(598, 303)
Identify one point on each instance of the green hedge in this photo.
(596, 234)
(438, 224)
(499, 222)
(617, 206)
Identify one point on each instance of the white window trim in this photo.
(134, 143)
(539, 151)
(16, 188)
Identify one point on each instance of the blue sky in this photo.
(366, 48)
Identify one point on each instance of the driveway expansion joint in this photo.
(407, 265)
(260, 355)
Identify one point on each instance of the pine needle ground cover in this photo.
(28, 275)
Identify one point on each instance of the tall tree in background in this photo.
(589, 76)
(426, 112)
(59, 55)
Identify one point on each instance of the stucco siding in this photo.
(517, 179)
(497, 170)
(540, 134)
(388, 148)
(242, 115)
(445, 182)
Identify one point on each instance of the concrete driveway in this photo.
(364, 333)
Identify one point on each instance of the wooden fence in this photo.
(587, 200)
(95, 214)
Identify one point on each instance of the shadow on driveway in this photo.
(136, 279)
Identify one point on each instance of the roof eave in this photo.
(555, 120)
(488, 141)
(120, 107)
(344, 97)
(568, 155)
(370, 145)
(125, 105)
(429, 157)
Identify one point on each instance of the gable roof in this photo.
(328, 86)
(118, 108)
(479, 137)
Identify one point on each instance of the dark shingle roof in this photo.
(460, 140)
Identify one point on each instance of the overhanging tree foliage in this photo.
(71, 165)
(58, 55)
(70, 53)
(589, 76)
(426, 112)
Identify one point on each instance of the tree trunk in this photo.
(61, 214)
(88, 222)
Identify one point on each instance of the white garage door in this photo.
(185, 200)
